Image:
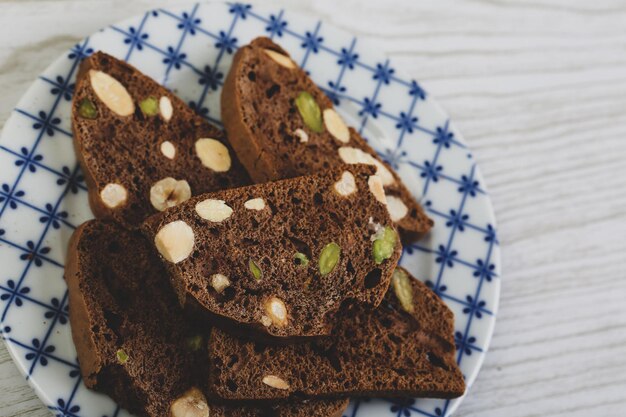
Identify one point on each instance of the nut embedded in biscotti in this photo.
(213, 154)
(275, 382)
(149, 106)
(376, 187)
(396, 208)
(276, 311)
(329, 257)
(385, 175)
(169, 192)
(255, 204)
(403, 290)
(301, 259)
(351, 155)
(384, 244)
(336, 126)
(219, 282)
(346, 185)
(255, 270)
(122, 356)
(165, 107)
(168, 149)
(113, 195)
(87, 109)
(280, 59)
(375, 228)
(191, 404)
(304, 137)
(112, 93)
(213, 210)
(175, 241)
(310, 111)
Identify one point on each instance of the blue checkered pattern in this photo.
(43, 195)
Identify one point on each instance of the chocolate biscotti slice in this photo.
(282, 125)
(405, 348)
(282, 258)
(132, 340)
(141, 148)
(307, 408)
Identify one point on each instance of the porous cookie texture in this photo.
(134, 138)
(405, 348)
(283, 258)
(132, 340)
(282, 125)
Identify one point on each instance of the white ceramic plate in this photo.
(43, 197)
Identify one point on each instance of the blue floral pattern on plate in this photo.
(43, 195)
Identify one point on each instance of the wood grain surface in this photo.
(538, 89)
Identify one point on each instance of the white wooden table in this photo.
(539, 90)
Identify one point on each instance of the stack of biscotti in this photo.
(143, 151)
(197, 294)
(132, 339)
(294, 273)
